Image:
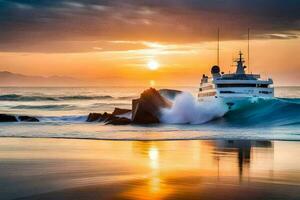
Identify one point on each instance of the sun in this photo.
(153, 65)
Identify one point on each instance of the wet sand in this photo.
(87, 169)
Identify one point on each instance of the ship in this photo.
(234, 89)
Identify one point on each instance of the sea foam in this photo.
(187, 109)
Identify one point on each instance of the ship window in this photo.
(227, 92)
(235, 85)
(265, 92)
(262, 85)
(242, 85)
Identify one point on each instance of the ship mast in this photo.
(249, 50)
(240, 69)
(218, 55)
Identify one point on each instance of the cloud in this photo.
(73, 25)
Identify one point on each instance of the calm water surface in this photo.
(83, 169)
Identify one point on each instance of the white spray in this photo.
(187, 110)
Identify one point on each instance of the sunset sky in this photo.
(115, 41)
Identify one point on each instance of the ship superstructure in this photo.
(233, 87)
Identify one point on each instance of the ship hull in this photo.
(234, 103)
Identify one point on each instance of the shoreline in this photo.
(150, 140)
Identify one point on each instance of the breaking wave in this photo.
(16, 97)
(187, 110)
(265, 112)
(75, 118)
(45, 107)
(254, 112)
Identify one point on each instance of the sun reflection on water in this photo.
(163, 170)
(153, 157)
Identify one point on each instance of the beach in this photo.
(96, 169)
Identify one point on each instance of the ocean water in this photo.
(63, 111)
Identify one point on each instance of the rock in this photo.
(98, 117)
(11, 118)
(28, 119)
(7, 118)
(119, 121)
(120, 111)
(146, 109)
(95, 117)
(108, 117)
(169, 93)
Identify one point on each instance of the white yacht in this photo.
(234, 88)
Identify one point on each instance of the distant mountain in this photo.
(13, 79)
